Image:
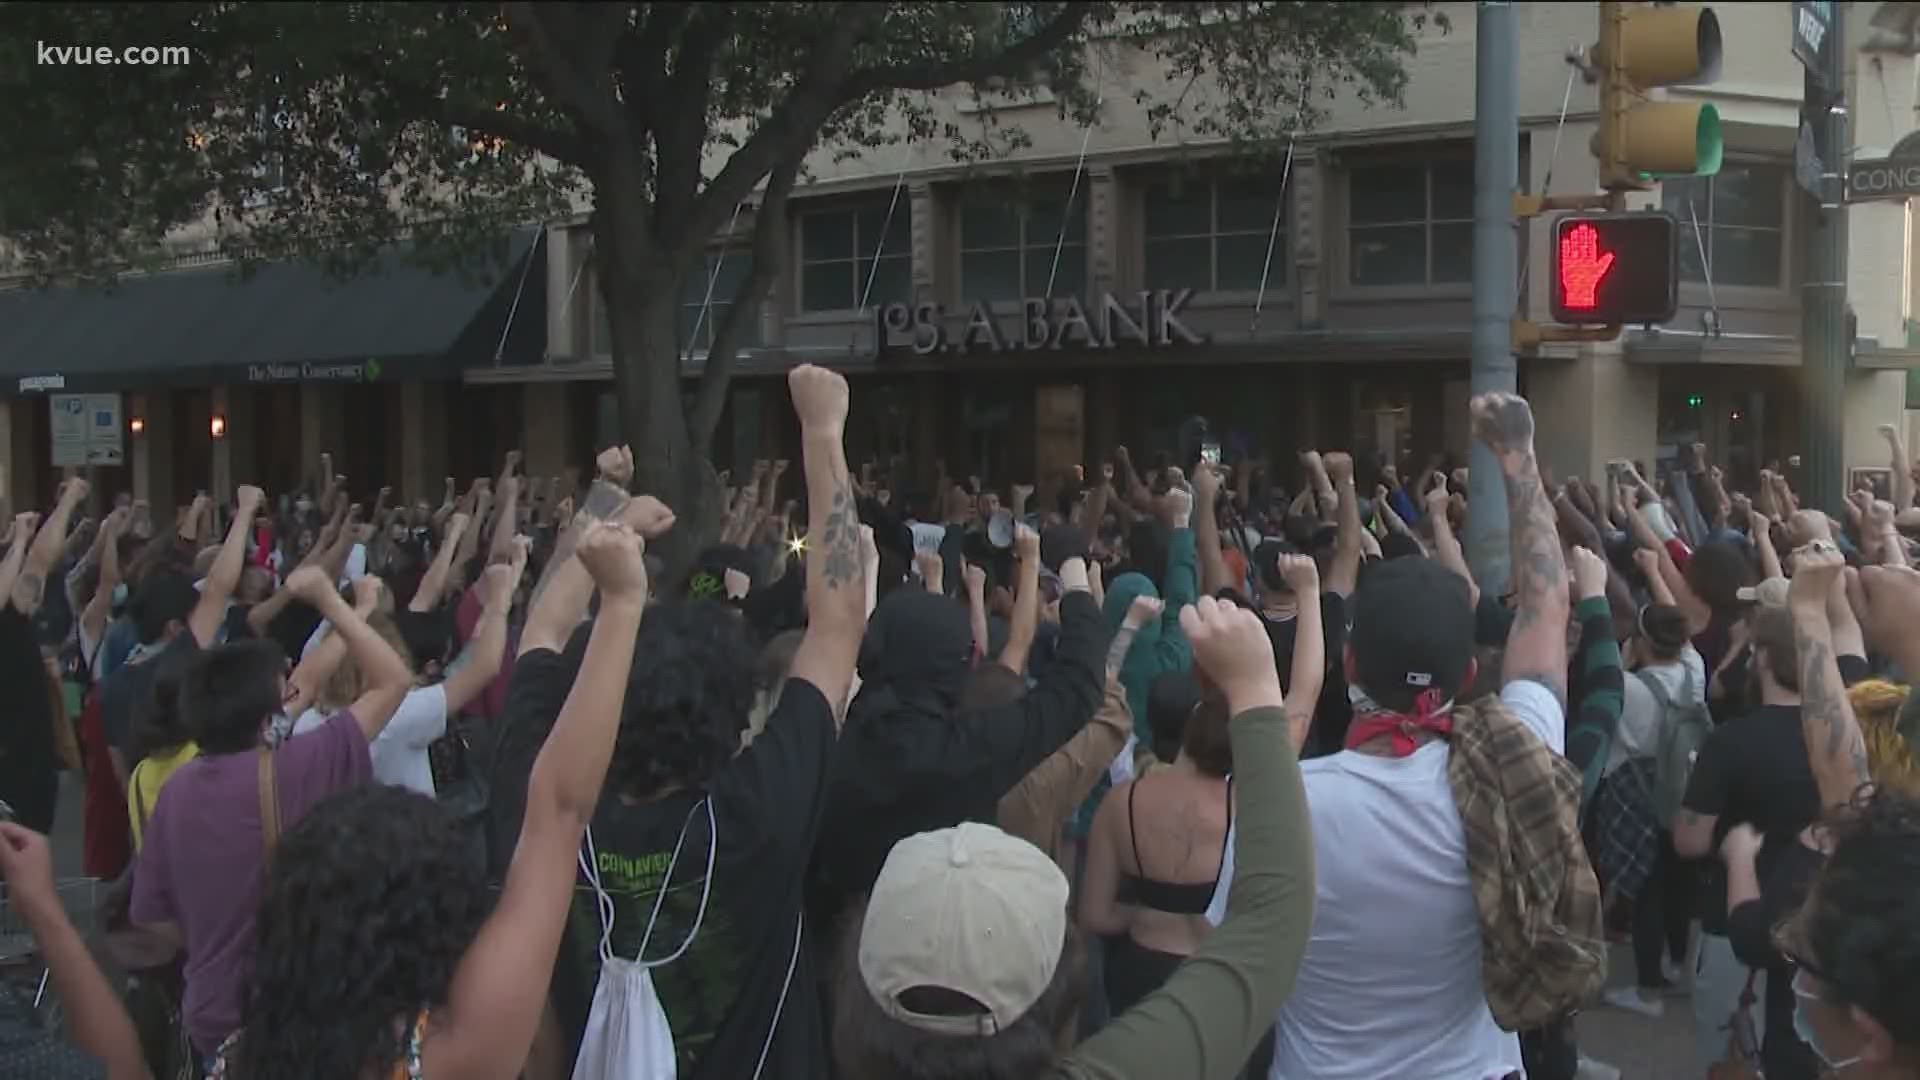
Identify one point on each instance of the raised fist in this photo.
(1589, 573)
(1301, 574)
(1339, 465)
(647, 516)
(310, 584)
(614, 556)
(819, 397)
(1026, 543)
(1504, 422)
(1232, 647)
(616, 464)
(976, 579)
(1143, 610)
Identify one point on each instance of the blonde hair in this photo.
(345, 685)
(1890, 758)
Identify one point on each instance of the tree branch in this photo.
(642, 58)
(681, 136)
(580, 79)
(792, 126)
(558, 145)
(769, 243)
(1015, 59)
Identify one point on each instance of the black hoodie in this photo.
(909, 762)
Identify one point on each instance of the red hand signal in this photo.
(1582, 266)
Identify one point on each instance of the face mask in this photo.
(1803, 1027)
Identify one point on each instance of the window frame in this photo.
(1280, 280)
(1344, 284)
(1694, 291)
(862, 253)
(591, 314)
(1023, 203)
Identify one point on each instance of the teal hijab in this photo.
(1144, 662)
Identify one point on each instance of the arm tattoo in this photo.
(28, 590)
(1825, 709)
(1539, 570)
(1117, 652)
(840, 551)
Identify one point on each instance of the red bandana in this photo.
(1429, 714)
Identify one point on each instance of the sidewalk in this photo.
(1642, 1049)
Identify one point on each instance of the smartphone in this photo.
(1210, 453)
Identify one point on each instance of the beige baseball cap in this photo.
(970, 910)
(1769, 593)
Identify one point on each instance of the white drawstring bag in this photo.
(627, 1036)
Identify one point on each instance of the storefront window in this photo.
(1411, 224)
(717, 276)
(1007, 249)
(1213, 236)
(1740, 215)
(837, 257)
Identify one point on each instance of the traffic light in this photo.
(1641, 48)
(1614, 269)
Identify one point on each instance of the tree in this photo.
(334, 129)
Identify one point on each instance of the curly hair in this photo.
(1860, 929)
(369, 905)
(689, 695)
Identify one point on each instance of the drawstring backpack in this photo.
(627, 1036)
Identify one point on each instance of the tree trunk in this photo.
(642, 304)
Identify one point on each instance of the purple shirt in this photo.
(202, 866)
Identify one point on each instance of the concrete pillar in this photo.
(410, 483)
(562, 256)
(162, 494)
(1303, 237)
(548, 428)
(140, 448)
(11, 483)
(322, 425)
(1872, 398)
(1593, 408)
(1103, 230)
(223, 447)
(925, 236)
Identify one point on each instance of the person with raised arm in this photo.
(29, 776)
(198, 878)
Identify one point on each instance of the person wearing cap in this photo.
(963, 960)
(1392, 983)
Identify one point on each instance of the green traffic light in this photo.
(1694, 401)
(1708, 146)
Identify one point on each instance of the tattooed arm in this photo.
(1835, 748)
(836, 595)
(1537, 644)
(29, 588)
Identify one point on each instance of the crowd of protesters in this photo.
(1183, 774)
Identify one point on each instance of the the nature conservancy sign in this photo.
(1145, 319)
(363, 371)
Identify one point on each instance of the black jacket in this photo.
(909, 761)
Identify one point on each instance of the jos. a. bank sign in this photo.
(1146, 319)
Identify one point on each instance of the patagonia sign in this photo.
(1147, 319)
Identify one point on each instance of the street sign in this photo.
(86, 429)
(1874, 179)
(1812, 19)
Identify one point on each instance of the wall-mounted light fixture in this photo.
(218, 427)
(137, 425)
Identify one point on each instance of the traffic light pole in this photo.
(1496, 170)
(1824, 339)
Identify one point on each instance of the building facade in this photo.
(1015, 316)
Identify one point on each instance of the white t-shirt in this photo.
(1641, 718)
(1390, 984)
(400, 753)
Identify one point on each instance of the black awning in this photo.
(286, 322)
